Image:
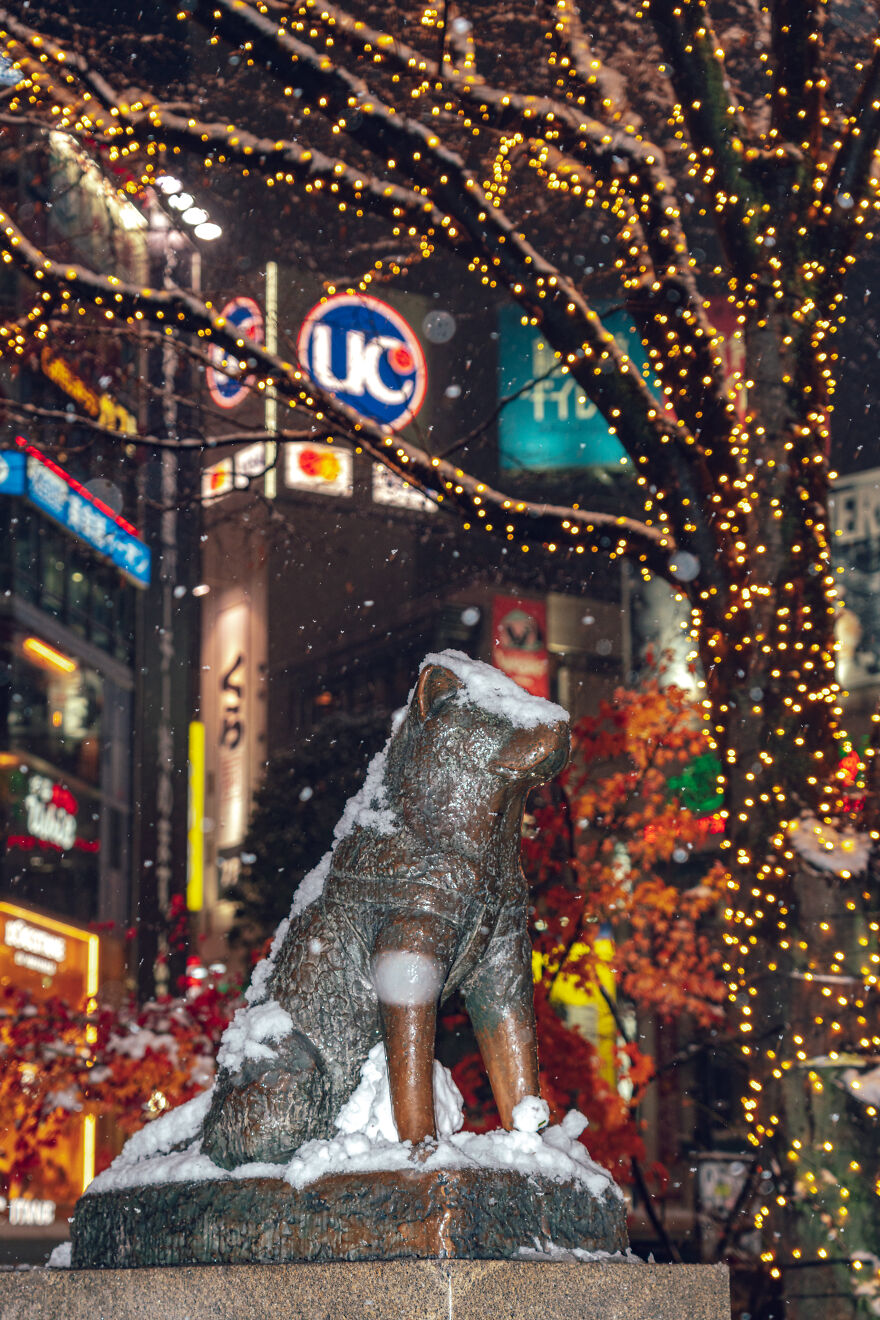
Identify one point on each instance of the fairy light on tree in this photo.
(766, 157)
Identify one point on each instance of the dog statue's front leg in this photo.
(411, 958)
(500, 1002)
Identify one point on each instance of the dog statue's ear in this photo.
(435, 687)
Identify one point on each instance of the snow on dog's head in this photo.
(471, 741)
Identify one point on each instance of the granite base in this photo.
(406, 1290)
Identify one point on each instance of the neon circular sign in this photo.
(243, 315)
(365, 354)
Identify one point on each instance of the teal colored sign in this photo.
(553, 426)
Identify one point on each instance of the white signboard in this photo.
(388, 488)
(235, 472)
(325, 469)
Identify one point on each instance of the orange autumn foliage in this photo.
(127, 1064)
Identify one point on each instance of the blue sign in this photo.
(365, 354)
(50, 489)
(243, 315)
(553, 426)
(12, 472)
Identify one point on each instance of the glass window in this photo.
(26, 554)
(54, 573)
(55, 713)
(79, 591)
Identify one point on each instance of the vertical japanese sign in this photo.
(233, 678)
(519, 642)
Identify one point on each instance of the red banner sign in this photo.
(519, 642)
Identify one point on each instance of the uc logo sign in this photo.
(363, 353)
(244, 317)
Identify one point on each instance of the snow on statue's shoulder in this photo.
(496, 693)
(369, 807)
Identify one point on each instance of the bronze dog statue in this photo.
(423, 894)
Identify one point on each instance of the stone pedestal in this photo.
(374, 1290)
(487, 1214)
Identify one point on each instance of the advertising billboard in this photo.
(519, 642)
(26, 471)
(552, 426)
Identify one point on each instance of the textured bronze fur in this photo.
(444, 882)
(388, 1215)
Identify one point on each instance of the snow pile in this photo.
(248, 1032)
(149, 1156)
(67, 1098)
(59, 1257)
(495, 693)
(136, 1043)
(552, 1251)
(865, 1086)
(532, 1114)
(309, 888)
(824, 846)
(368, 1112)
(367, 1140)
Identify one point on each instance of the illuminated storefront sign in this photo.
(324, 469)
(366, 355)
(50, 959)
(47, 486)
(232, 761)
(41, 950)
(26, 1210)
(42, 814)
(854, 506)
(51, 812)
(106, 410)
(235, 472)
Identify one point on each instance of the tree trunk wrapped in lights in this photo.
(759, 140)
